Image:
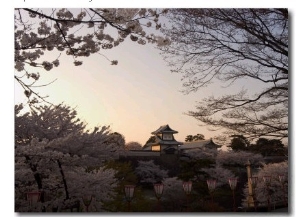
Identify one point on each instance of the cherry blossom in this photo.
(78, 33)
(56, 155)
(149, 172)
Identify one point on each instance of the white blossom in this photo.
(19, 66)
(239, 158)
(44, 29)
(142, 12)
(201, 153)
(77, 63)
(161, 41)
(81, 15)
(220, 174)
(278, 191)
(149, 172)
(56, 62)
(173, 191)
(114, 62)
(52, 140)
(47, 65)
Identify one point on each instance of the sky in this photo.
(135, 97)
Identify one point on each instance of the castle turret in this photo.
(165, 141)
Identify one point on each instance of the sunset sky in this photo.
(134, 97)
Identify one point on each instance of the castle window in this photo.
(167, 136)
(156, 148)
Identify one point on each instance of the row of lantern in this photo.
(34, 197)
(211, 184)
(187, 188)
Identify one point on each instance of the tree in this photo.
(278, 191)
(173, 196)
(238, 158)
(266, 147)
(57, 156)
(133, 146)
(239, 143)
(125, 175)
(152, 139)
(233, 45)
(150, 173)
(77, 32)
(118, 139)
(192, 168)
(191, 138)
(201, 153)
(220, 174)
(45, 122)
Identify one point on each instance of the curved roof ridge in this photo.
(164, 129)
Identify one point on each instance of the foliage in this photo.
(278, 191)
(202, 165)
(231, 45)
(263, 146)
(133, 146)
(142, 202)
(76, 32)
(266, 147)
(192, 168)
(117, 138)
(124, 172)
(125, 176)
(139, 203)
(239, 143)
(54, 154)
(201, 153)
(149, 172)
(238, 158)
(173, 196)
(191, 138)
(220, 174)
(46, 122)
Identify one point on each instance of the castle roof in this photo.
(164, 129)
(162, 142)
(199, 144)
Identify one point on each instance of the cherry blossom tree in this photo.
(45, 122)
(220, 174)
(278, 189)
(125, 176)
(133, 146)
(201, 153)
(173, 193)
(54, 154)
(75, 32)
(228, 46)
(118, 140)
(238, 158)
(149, 172)
(208, 163)
(193, 162)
